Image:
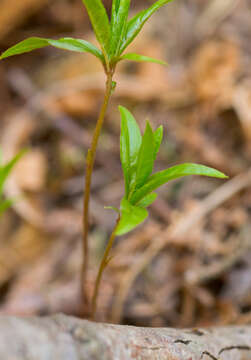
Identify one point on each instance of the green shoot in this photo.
(137, 154)
(113, 36)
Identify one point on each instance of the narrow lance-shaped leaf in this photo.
(141, 58)
(158, 136)
(70, 44)
(137, 22)
(146, 157)
(130, 142)
(172, 173)
(119, 17)
(131, 217)
(115, 7)
(100, 22)
(6, 169)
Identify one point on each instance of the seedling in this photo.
(138, 154)
(5, 171)
(114, 35)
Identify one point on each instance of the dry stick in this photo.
(88, 177)
(205, 273)
(176, 232)
(104, 263)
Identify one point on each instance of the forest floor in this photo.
(190, 264)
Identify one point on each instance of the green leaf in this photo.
(131, 217)
(64, 43)
(141, 58)
(130, 142)
(137, 22)
(25, 46)
(147, 200)
(6, 169)
(115, 7)
(172, 173)
(146, 157)
(100, 22)
(119, 17)
(158, 136)
(78, 45)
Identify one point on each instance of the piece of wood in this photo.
(66, 338)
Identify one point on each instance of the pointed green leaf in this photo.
(115, 7)
(6, 169)
(100, 22)
(130, 142)
(158, 136)
(131, 217)
(146, 157)
(141, 58)
(147, 200)
(25, 46)
(137, 22)
(119, 17)
(172, 173)
(78, 45)
(70, 44)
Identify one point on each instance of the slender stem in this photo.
(104, 263)
(88, 177)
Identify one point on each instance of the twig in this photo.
(205, 273)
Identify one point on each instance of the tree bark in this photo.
(66, 338)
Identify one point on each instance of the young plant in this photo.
(138, 154)
(114, 36)
(5, 171)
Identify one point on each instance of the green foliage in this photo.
(119, 17)
(130, 142)
(131, 216)
(135, 25)
(141, 58)
(64, 43)
(113, 35)
(5, 171)
(137, 157)
(100, 22)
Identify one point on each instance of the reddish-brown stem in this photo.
(88, 177)
(104, 262)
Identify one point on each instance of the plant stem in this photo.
(88, 177)
(102, 266)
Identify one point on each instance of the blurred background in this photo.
(189, 265)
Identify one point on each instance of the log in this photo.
(61, 337)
